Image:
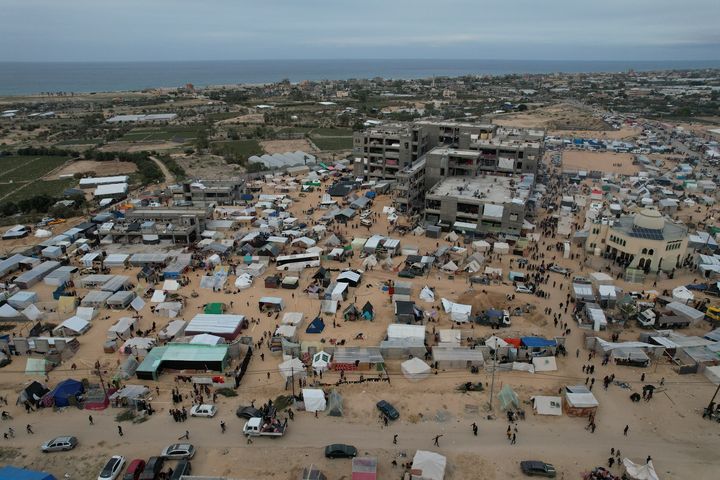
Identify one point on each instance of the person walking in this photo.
(120, 432)
(29, 429)
(625, 430)
(509, 432)
(90, 419)
(222, 426)
(474, 428)
(249, 440)
(611, 462)
(514, 439)
(186, 436)
(436, 440)
(395, 439)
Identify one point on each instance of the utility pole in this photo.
(492, 383)
(712, 400)
(292, 380)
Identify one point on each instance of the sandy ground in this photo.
(207, 166)
(561, 116)
(99, 168)
(139, 146)
(607, 162)
(248, 118)
(669, 428)
(283, 146)
(625, 133)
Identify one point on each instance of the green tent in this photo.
(215, 308)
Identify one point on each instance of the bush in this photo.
(226, 392)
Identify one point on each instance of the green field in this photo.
(302, 130)
(23, 168)
(167, 133)
(217, 116)
(53, 188)
(332, 132)
(333, 143)
(80, 141)
(240, 149)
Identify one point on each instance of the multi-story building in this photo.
(645, 241)
(409, 189)
(149, 225)
(201, 192)
(480, 204)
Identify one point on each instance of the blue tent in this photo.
(371, 194)
(13, 473)
(64, 390)
(537, 342)
(316, 326)
(246, 196)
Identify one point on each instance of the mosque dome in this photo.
(649, 218)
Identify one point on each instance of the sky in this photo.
(171, 30)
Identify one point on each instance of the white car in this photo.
(522, 288)
(205, 410)
(112, 468)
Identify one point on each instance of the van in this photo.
(152, 468)
(183, 468)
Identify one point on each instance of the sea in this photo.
(23, 78)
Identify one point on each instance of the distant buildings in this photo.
(150, 118)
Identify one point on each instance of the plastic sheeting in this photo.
(314, 399)
(415, 369)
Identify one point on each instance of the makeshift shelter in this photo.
(508, 398)
(501, 248)
(275, 304)
(316, 326)
(579, 401)
(427, 295)
(314, 399)
(207, 339)
(168, 309)
(32, 393)
(335, 404)
(127, 368)
(172, 329)
(368, 312)
(681, 294)
(122, 329)
(73, 326)
(447, 357)
(8, 472)
(712, 373)
(22, 300)
(37, 366)
(415, 369)
(459, 312)
(292, 368)
(120, 300)
(636, 471)
(66, 393)
(547, 405)
(321, 361)
(428, 466)
(224, 325)
(544, 364)
(292, 318)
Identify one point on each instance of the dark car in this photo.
(388, 410)
(248, 412)
(339, 450)
(152, 469)
(134, 470)
(536, 468)
(183, 468)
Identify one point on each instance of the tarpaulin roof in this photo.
(536, 342)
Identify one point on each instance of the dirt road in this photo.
(169, 177)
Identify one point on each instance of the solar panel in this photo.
(647, 233)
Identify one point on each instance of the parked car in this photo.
(179, 450)
(182, 468)
(152, 469)
(388, 410)
(248, 412)
(559, 269)
(60, 444)
(135, 468)
(112, 468)
(205, 410)
(340, 450)
(535, 468)
(522, 288)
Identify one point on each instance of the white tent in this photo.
(72, 326)
(158, 296)
(170, 285)
(314, 399)
(121, 328)
(292, 367)
(495, 342)
(449, 267)
(292, 318)
(137, 304)
(480, 246)
(501, 248)
(40, 233)
(6, 311)
(451, 237)
(321, 361)
(547, 405)
(207, 339)
(415, 369)
(635, 471)
(458, 312)
(713, 374)
(429, 465)
(682, 295)
(169, 309)
(86, 313)
(32, 313)
(544, 364)
(370, 261)
(427, 295)
(244, 281)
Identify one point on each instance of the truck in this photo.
(713, 313)
(260, 427)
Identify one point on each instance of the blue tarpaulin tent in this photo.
(316, 326)
(13, 473)
(537, 342)
(64, 390)
(371, 194)
(246, 196)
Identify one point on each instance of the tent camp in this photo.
(415, 369)
(73, 326)
(459, 312)
(314, 399)
(428, 466)
(321, 361)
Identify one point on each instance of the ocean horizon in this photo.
(25, 78)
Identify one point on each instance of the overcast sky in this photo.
(98, 30)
